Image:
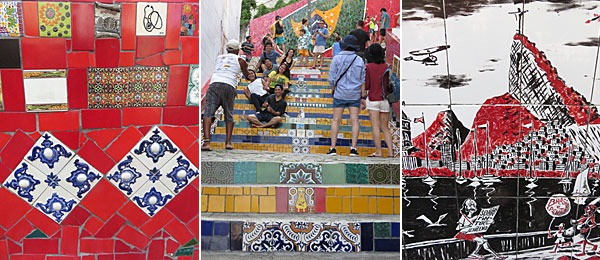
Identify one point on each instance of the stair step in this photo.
(322, 127)
(319, 151)
(308, 217)
(227, 255)
(286, 140)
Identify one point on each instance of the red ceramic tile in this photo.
(173, 25)
(172, 57)
(157, 235)
(85, 233)
(82, 30)
(4, 172)
(133, 237)
(131, 256)
(15, 150)
(141, 116)
(281, 199)
(178, 83)
(100, 118)
(179, 231)
(20, 230)
(157, 222)
(194, 226)
(70, 138)
(77, 217)
(195, 131)
(77, 88)
(149, 45)
(28, 257)
(104, 137)
(57, 235)
(82, 139)
(3, 250)
(92, 60)
(40, 246)
(43, 53)
(13, 94)
(144, 129)
(43, 222)
(69, 241)
(93, 225)
(124, 143)
(128, 13)
(121, 247)
(91, 153)
(30, 16)
(196, 255)
(69, 44)
(59, 121)
(106, 257)
(104, 200)
(111, 227)
(187, 257)
(35, 135)
(172, 246)
(181, 136)
(185, 205)
(50, 257)
(127, 59)
(14, 248)
(96, 246)
(88, 257)
(193, 153)
(181, 116)
(107, 53)
(156, 250)
(10, 122)
(153, 61)
(320, 200)
(133, 214)
(4, 137)
(79, 59)
(190, 47)
(196, 183)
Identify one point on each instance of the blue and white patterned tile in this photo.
(26, 181)
(48, 154)
(152, 197)
(336, 237)
(155, 149)
(77, 177)
(128, 175)
(176, 174)
(56, 203)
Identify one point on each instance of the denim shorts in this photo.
(346, 103)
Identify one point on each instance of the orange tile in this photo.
(258, 191)
(342, 191)
(223, 190)
(204, 203)
(355, 191)
(330, 191)
(347, 206)
(368, 191)
(210, 190)
(360, 204)
(385, 192)
(397, 206)
(267, 204)
(246, 190)
(228, 203)
(216, 203)
(242, 204)
(333, 204)
(385, 205)
(254, 206)
(372, 205)
(271, 191)
(397, 192)
(234, 190)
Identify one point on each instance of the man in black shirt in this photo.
(248, 48)
(362, 37)
(274, 108)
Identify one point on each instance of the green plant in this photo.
(247, 7)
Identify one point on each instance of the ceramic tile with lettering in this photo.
(193, 92)
(54, 19)
(129, 174)
(11, 19)
(155, 149)
(176, 174)
(152, 197)
(78, 177)
(48, 154)
(151, 19)
(107, 20)
(27, 182)
(57, 203)
(189, 20)
(45, 90)
(301, 200)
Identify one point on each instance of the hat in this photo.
(374, 53)
(233, 45)
(277, 17)
(349, 42)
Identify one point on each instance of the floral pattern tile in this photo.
(193, 91)
(107, 20)
(382, 173)
(54, 19)
(217, 172)
(301, 200)
(11, 19)
(300, 173)
(189, 20)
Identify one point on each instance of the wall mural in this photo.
(500, 130)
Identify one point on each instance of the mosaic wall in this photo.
(98, 146)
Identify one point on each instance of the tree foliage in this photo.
(247, 7)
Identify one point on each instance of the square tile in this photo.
(217, 172)
(189, 20)
(193, 90)
(77, 177)
(57, 203)
(107, 20)
(300, 173)
(11, 19)
(27, 182)
(152, 197)
(155, 149)
(10, 57)
(301, 200)
(334, 173)
(357, 173)
(45, 90)
(382, 229)
(128, 175)
(244, 172)
(382, 173)
(176, 174)
(221, 229)
(267, 172)
(151, 19)
(54, 19)
(48, 154)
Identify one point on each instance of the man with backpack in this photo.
(277, 31)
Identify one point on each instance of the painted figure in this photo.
(585, 224)
(467, 218)
(563, 237)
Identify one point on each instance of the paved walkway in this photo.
(219, 155)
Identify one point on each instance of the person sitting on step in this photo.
(274, 108)
(269, 66)
(257, 90)
(268, 53)
(279, 78)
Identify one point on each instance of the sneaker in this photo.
(332, 151)
(353, 152)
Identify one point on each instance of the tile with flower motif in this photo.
(129, 174)
(189, 20)
(56, 203)
(193, 91)
(77, 177)
(54, 19)
(107, 20)
(152, 197)
(11, 19)
(48, 154)
(27, 182)
(300, 173)
(301, 200)
(45, 90)
(155, 149)
(177, 173)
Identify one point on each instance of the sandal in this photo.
(374, 155)
(206, 149)
(229, 147)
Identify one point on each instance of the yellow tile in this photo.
(342, 191)
(223, 190)
(372, 205)
(355, 191)
(385, 192)
(333, 204)
(397, 192)
(234, 191)
(360, 204)
(254, 206)
(242, 204)
(246, 190)
(397, 206)
(216, 203)
(228, 203)
(267, 204)
(330, 191)
(210, 190)
(347, 206)
(204, 203)
(271, 191)
(368, 191)
(385, 205)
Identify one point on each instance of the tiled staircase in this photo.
(278, 191)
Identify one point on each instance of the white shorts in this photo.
(381, 106)
(319, 49)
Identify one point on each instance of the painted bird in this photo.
(430, 223)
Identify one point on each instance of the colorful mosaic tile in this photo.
(381, 173)
(301, 200)
(189, 20)
(54, 19)
(11, 19)
(244, 172)
(127, 87)
(217, 172)
(107, 20)
(300, 173)
(301, 237)
(193, 91)
(45, 90)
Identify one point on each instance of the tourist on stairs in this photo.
(269, 53)
(378, 107)
(288, 60)
(385, 24)
(279, 78)
(222, 91)
(303, 49)
(320, 36)
(277, 31)
(347, 81)
(248, 48)
(363, 38)
(309, 35)
(274, 108)
(257, 90)
(269, 66)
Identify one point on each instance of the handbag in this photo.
(341, 76)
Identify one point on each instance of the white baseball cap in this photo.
(233, 45)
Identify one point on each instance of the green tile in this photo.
(37, 234)
(382, 229)
(267, 172)
(357, 173)
(244, 172)
(334, 173)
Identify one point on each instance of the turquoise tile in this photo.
(382, 229)
(267, 172)
(357, 173)
(334, 173)
(244, 172)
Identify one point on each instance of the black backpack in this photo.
(278, 28)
